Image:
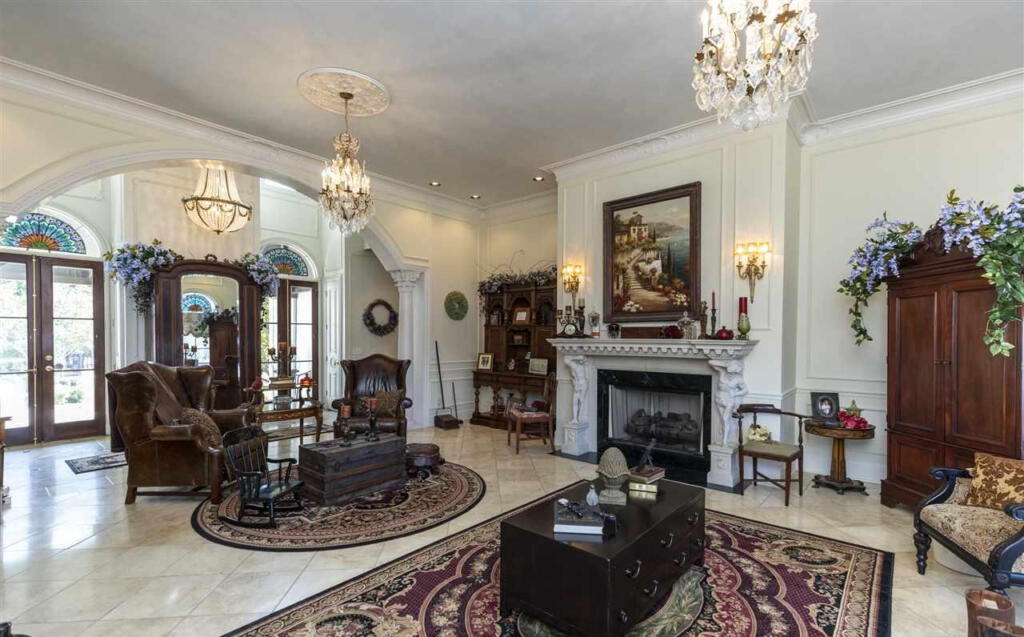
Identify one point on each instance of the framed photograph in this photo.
(485, 362)
(521, 317)
(825, 407)
(539, 366)
(652, 255)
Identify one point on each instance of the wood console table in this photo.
(503, 383)
(837, 475)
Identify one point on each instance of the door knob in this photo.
(48, 368)
(48, 358)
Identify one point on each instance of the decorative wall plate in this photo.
(456, 305)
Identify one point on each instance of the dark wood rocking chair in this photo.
(771, 450)
(259, 488)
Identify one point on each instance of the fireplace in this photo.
(674, 410)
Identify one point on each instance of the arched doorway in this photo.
(52, 337)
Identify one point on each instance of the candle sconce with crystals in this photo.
(285, 381)
(751, 263)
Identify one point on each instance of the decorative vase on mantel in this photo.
(743, 327)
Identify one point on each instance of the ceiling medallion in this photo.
(345, 197)
(215, 205)
(753, 54)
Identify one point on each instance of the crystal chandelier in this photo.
(216, 205)
(753, 54)
(345, 196)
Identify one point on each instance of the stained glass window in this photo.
(287, 261)
(195, 302)
(43, 232)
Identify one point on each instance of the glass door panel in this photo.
(292, 320)
(17, 389)
(71, 344)
(269, 338)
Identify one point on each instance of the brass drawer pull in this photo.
(682, 559)
(634, 573)
(667, 542)
(653, 590)
(693, 518)
(623, 617)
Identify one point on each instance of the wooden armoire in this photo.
(947, 395)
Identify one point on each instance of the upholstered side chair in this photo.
(372, 377)
(990, 540)
(781, 452)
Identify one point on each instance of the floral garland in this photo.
(370, 321)
(133, 265)
(539, 277)
(995, 237)
(263, 273)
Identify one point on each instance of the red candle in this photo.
(712, 300)
(281, 345)
(743, 305)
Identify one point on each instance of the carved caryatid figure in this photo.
(578, 367)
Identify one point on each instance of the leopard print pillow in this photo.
(208, 429)
(997, 481)
(387, 402)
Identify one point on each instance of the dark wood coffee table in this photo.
(601, 588)
(335, 473)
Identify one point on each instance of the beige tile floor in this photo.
(76, 561)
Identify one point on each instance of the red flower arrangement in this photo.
(852, 419)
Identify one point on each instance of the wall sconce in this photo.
(750, 262)
(571, 279)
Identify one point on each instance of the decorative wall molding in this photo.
(543, 203)
(654, 347)
(800, 115)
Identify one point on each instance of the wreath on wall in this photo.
(456, 305)
(370, 321)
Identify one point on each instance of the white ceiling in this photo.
(483, 93)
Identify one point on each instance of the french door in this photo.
(51, 348)
(292, 318)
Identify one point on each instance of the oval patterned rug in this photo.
(419, 505)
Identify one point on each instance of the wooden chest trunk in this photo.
(601, 588)
(335, 474)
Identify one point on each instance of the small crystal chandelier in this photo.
(345, 197)
(753, 54)
(216, 205)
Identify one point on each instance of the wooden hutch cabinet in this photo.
(947, 396)
(517, 320)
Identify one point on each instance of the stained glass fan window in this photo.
(43, 232)
(287, 261)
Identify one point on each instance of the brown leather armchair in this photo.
(161, 450)
(367, 377)
(192, 387)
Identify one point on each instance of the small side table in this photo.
(836, 479)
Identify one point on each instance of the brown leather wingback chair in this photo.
(367, 377)
(162, 451)
(192, 387)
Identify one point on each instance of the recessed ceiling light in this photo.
(539, 178)
(435, 184)
(474, 196)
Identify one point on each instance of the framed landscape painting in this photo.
(652, 255)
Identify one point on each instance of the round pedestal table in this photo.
(836, 479)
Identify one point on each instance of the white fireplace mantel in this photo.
(725, 359)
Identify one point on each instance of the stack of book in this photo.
(644, 480)
(578, 519)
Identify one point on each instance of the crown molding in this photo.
(40, 82)
(986, 90)
(535, 205)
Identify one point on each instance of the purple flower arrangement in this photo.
(995, 237)
(263, 272)
(133, 265)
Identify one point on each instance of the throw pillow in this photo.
(388, 401)
(997, 481)
(208, 429)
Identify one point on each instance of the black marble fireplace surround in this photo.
(687, 460)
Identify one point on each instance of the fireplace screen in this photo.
(672, 419)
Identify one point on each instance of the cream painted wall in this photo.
(845, 184)
(519, 244)
(367, 281)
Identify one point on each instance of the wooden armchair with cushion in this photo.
(166, 445)
(978, 514)
(530, 422)
(376, 376)
(782, 452)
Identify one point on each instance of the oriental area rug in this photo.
(758, 579)
(420, 504)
